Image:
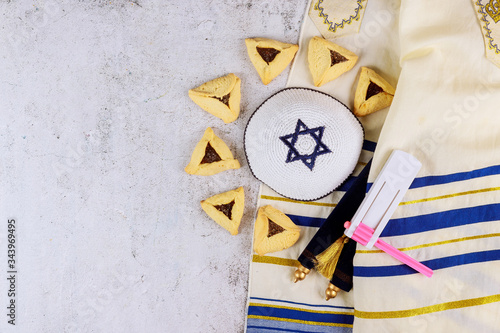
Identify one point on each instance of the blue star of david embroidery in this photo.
(291, 139)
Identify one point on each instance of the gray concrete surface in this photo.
(96, 129)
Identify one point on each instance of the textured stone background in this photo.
(96, 129)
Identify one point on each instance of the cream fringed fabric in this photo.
(446, 114)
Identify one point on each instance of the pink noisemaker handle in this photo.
(362, 235)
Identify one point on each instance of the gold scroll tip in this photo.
(331, 291)
(300, 274)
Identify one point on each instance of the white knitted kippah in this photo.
(303, 143)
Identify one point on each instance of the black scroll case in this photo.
(333, 228)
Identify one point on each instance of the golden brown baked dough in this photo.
(273, 231)
(269, 57)
(226, 209)
(327, 60)
(210, 156)
(220, 97)
(373, 93)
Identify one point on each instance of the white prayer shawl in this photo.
(444, 113)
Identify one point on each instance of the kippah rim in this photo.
(272, 187)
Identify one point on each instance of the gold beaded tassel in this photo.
(328, 259)
(326, 262)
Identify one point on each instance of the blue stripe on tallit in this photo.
(452, 177)
(306, 221)
(300, 315)
(273, 329)
(297, 303)
(455, 177)
(268, 325)
(446, 219)
(434, 264)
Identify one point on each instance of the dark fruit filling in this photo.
(224, 99)
(267, 53)
(274, 229)
(336, 58)
(373, 90)
(227, 209)
(210, 155)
